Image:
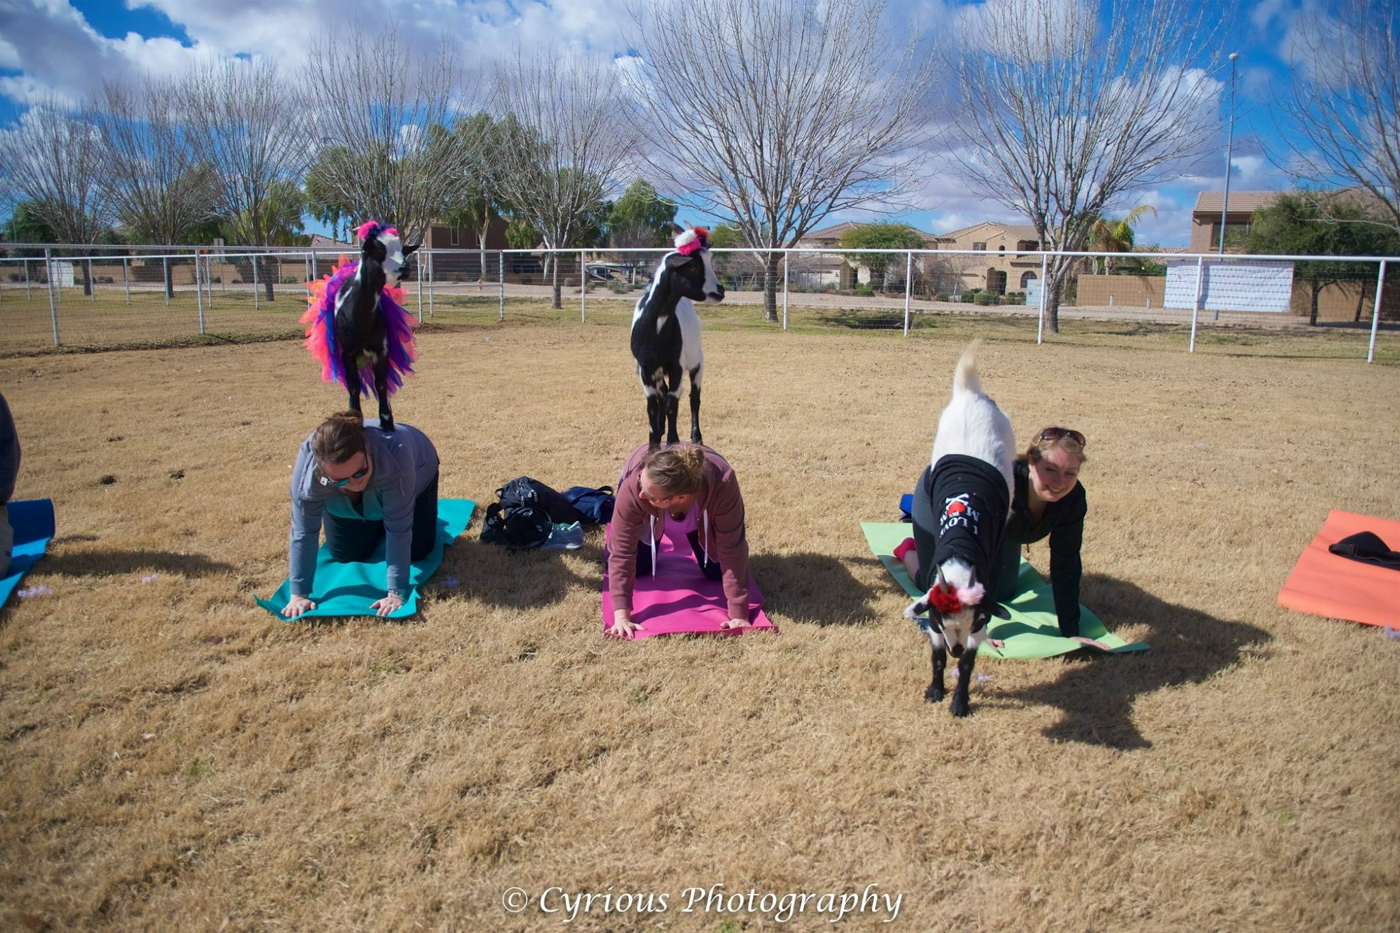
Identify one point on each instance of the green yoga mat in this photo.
(1033, 631)
(350, 589)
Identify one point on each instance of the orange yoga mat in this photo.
(1327, 584)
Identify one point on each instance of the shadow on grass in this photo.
(1097, 692)
(812, 588)
(107, 563)
(510, 579)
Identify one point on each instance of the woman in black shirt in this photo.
(1047, 499)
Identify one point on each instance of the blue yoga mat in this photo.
(350, 589)
(32, 521)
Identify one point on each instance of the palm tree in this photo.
(1115, 236)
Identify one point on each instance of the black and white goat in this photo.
(371, 330)
(666, 333)
(964, 506)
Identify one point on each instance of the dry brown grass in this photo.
(175, 758)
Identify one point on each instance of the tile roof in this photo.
(1242, 201)
(1019, 231)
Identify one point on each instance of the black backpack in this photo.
(525, 514)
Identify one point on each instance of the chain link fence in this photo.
(99, 297)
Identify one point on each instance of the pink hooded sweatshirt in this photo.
(719, 521)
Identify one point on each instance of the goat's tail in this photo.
(965, 378)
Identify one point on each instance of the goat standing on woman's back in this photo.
(356, 326)
(666, 333)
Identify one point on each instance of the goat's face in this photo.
(394, 256)
(694, 276)
(962, 619)
(964, 631)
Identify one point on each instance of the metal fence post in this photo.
(1196, 305)
(1040, 325)
(199, 292)
(209, 279)
(254, 258)
(785, 287)
(92, 286)
(582, 287)
(167, 284)
(503, 286)
(1376, 314)
(908, 284)
(126, 277)
(432, 271)
(53, 308)
(27, 296)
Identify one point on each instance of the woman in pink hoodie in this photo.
(667, 483)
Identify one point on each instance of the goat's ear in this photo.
(677, 228)
(942, 583)
(676, 260)
(410, 250)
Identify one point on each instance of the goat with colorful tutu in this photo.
(356, 325)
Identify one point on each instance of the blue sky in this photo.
(64, 46)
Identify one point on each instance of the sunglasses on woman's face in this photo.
(337, 483)
(1050, 435)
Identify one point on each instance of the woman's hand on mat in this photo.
(389, 604)
(995, 642)
(622, 626)
(296, 606)
(733, 624)
(1090, 642)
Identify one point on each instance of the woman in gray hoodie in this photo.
(366, 484)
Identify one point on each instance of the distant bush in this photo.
(863, 290)
(940, 297)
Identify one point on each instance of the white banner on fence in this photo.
(61, 272)
(1232, 286)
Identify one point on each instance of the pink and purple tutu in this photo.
(320, 330)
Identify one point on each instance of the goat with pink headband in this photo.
(355, 324)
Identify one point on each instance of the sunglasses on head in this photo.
(337, 483)
(1050, 435)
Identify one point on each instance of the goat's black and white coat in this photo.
(964, 504)
(357, 329)
(666, 333)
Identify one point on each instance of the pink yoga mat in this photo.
(678, 597)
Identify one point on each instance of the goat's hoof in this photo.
(959, 707)
(933, 694)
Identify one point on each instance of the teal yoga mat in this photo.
(32, 520)
(1033, 631)
(350, 589)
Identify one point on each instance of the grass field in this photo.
(175, 758)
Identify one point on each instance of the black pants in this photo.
(709, 568)
(351, 540)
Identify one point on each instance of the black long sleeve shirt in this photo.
(1063, 521)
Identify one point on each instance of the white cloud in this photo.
(56, 49)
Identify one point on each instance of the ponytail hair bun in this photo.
(339, 437)
(677, 470)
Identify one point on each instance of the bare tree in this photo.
(565, 132)
(249, 129)
(151, 173)
(481, 204)
(1065, 107)
(53, 160)
(779, 112)
(384, 114)
(1345, 101)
